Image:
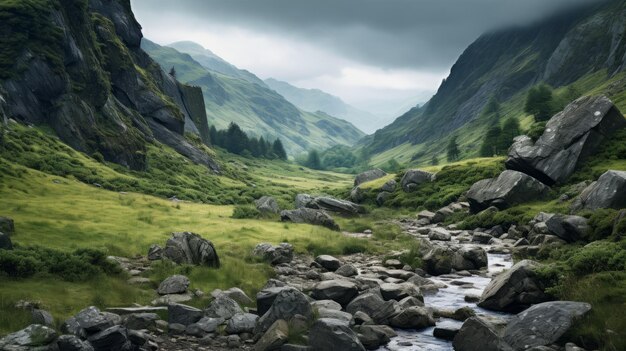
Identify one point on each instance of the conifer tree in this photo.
(453, 149)
(279, 150)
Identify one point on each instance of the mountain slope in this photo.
(212, 62)
(584, 47)
(77, 68)
(317, 100)
(259, 110)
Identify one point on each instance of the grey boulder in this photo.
(340, 291)
(265, 298)
(347, 270)
(33, 336)
(7, 226)
(413, 178)
(283, 253)
(309, 216)
(609, 191)
(477, 334)
(567, 227)
(73, 343)
(332, 204)
(332, 334)
(569, 137)
(223, 307)
(183, 314)
(176, 284)
(267, 204)
(543, 324)
(514, 290)
(329, 263)
(5, 242)
(241, 323)
(374, 306)
(414, 317)
(287, 304)
(112, 339)
(374, 336)
(398, 292)
(508, 189)
(368, 176)
(190, 248)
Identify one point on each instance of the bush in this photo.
(601, 223)
(246, 211)
(505, 218)
(79, 265)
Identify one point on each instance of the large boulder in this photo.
(274, 337)
(73, 343)
(223, 307)
(7, 226)
(183, 314)
(567, 227)
(443, 259)
(413, 178)
(393, 291)
(265, 298)
(33, 337)
(241, 323)
(267, 204)
(283, 253)
(514, 290)
(569, 137)
(509, 188)
(287, 304)
(374, 306)
(340, 291)
(374, 336)
(176, 284)
(310, 216)
(368, 176)
(414, 317)
(190, 248)
(332, 204)
(302, 200)
(477, 334)
(111, 339)
(328, 262)
(88, 321)
(5, 242)
(543, 324)
(332, 334)
(609, 191)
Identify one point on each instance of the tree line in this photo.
(236, 141)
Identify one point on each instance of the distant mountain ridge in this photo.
(257, 109)
(317, 100)
(583, 47)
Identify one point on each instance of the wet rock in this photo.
(509, 188)
(515, 289)
(442, 259)
(374, 336)
(374, 306)
(283, 253)
(609, 191)
(310, 216)
(267, 204)
(340, 291)
(274, 337)
(412, 318)
(287, 304)
(446, 330)
(176, 284)
(333, 334)
(413, 178)
(191, 248)
(543, 324)
(569, 137)
(368, 176)
(223, 307)
(568, 228)
(477, 334)
(329, 263)
(481, 238)
(183, 314)
(241, 323)
(390, 291)
(31, 337)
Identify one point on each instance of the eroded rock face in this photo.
(543, 324)
(310, 216)
(509, 188)
(368, 176)
(609, 191)
(287, 304)
(515, 289)
(191, 248)
(413, 178)
(570, 136)
(333, 334)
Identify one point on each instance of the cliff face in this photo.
(559, 51)
(78, 67)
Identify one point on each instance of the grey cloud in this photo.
(416, 34)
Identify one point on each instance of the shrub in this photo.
(245, 211)
(601, 223)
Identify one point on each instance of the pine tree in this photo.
(279, 150)
(236, 140)
(453, 149)
(173, 72)
(434, 161)
(510, 130)
(490, 146)
(313, 160)
(540, 102)
(213, 136)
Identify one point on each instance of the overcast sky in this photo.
(375, 54)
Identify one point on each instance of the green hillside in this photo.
(259, 110)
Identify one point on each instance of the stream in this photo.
(451, 297)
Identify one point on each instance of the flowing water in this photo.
(451, 298)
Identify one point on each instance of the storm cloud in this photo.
(316, 42)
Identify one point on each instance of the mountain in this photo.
(582, 49)
(214, 63)
(317, 100)
(257, 109)
(76, 67)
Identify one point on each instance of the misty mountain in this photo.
(318, 100)
(257, 109)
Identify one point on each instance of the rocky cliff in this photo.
(77, 66)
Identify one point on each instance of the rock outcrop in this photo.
(267, 204)
(368, 176)
(333, 334)
(609, 191)
(331, 204)
(413, 178)
(310, 216)
(191, 248)
(509, 188)
(569, 137)
(283, 253)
